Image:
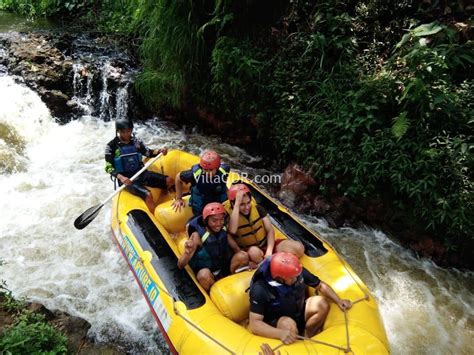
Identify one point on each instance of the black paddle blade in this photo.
(87, 217)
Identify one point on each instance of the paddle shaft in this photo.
(91, 213)
(133, 178)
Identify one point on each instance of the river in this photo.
(51, 172)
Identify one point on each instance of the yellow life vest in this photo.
(251, 231)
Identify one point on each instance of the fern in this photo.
(400, 125)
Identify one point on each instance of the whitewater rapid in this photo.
(52, 172)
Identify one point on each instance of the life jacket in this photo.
(213, 254)
(284, 300)
(127, 160)
(207, 189)
(251, 230)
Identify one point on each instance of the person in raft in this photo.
(208, 249)
(208, 182)
(252, 229)
(278, 305)
(123, 158)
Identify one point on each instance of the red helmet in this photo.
(210, 160)
(232, 192)
(212, 209)
(285, 265)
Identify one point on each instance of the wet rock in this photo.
(42, 67)
(214, 122)
(57, 101)
(74, 328)
(320, 205)
(427, 247)
(288, 197)
(296, 180)
(39, 308)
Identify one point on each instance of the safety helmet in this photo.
(210, 160)
(123, 123)
(232, 192)
(285, 265)
(212, 209)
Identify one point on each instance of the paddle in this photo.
(88, 215)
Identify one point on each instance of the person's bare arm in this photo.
(259, 327)
(232, 243)
(270, 231)
(233, 225)
(328, 292)
(178, 202)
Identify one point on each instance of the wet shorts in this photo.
(147, 178)
(300, 323)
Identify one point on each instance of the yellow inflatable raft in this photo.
(193, 321)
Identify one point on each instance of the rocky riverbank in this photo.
(73, 74)
(74, 328)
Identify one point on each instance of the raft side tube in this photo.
(177, 281)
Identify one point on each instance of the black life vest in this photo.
(213, 254)
(284, 300)
(208, 189)
(127, 158)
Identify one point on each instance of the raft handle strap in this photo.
(346, 350)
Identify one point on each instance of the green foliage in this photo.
(402, 132)
(171, 49)
(30, 334)
(9, 303)
(235, 72)
(33, 8)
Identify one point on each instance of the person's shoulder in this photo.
(135, 140)
(225, 166)
(258, 287)
(310, 279)
(113, 142)
(187, 175)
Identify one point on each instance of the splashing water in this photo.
(59, 172)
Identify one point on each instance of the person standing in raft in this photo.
(208, 183)
(123, 158)
(278, 305)
(208, 249)
(252, 229)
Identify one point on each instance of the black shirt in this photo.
(260, 298)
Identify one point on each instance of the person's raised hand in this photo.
(239, 197)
